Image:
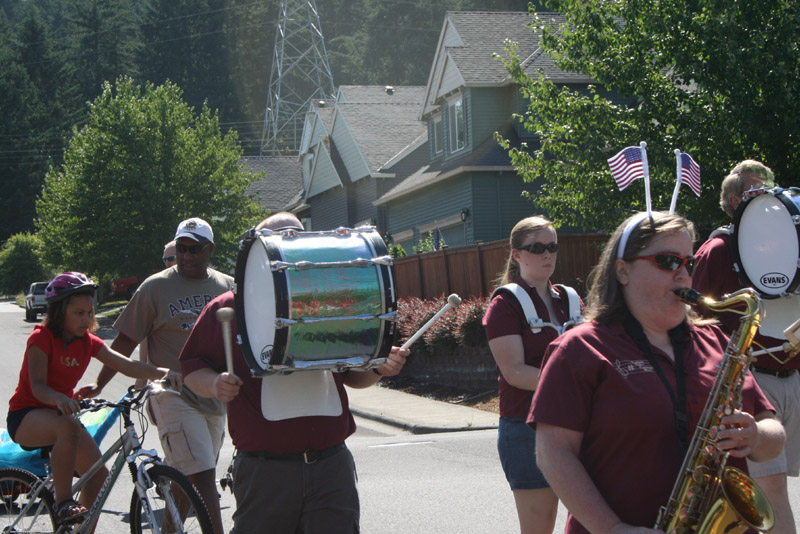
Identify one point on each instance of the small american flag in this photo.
(627, 166)
(436, 239)
(690, 173)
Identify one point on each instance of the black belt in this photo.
(780, 373)
(310, 456)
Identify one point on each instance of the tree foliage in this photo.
(143, 162)
(716, 79)
(20, 264)
(34, 117)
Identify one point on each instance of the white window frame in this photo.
(452, 123)
(438, 135)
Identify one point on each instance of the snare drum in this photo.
(314, 300)
(766, 241)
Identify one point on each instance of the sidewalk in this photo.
(418, 415)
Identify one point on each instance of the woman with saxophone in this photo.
(619, 396)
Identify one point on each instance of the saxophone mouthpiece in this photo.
(688, 295)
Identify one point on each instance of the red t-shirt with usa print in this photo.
(65, 366)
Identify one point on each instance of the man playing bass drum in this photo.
(715, 276)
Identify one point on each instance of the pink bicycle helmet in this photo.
(66, 284)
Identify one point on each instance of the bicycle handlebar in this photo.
(134, 397)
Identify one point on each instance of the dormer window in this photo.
(438, 139)
(457, 138)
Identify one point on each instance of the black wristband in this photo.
(375, 370)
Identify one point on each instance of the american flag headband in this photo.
(630, 164)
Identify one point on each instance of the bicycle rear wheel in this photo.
(172, 503)
(22, 509)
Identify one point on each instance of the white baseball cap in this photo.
(196, 229)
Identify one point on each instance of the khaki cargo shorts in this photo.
(191, 439)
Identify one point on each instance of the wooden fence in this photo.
(470, 271)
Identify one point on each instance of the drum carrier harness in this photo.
(534, 321)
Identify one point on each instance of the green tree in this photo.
(144, 162)
(20, 263)
(36, 118)
(719, 80)
(103, 44)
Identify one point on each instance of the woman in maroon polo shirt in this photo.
(613, 416)
(518, 352)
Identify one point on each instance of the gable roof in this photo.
(465, 54)
(381, 122)
(281, 183)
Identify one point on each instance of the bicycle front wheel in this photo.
(26, 506)
(171, 502)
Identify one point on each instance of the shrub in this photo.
(412, 313)
(442, 335)
(470, 322)
(397, 251)
(21, 263)
(460, 326)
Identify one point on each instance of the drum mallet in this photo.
(452, 300)
(224, 316)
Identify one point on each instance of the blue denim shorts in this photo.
(516, 443)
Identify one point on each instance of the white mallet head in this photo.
(224, 315)
(452, 300)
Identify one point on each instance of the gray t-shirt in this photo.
(161, 315)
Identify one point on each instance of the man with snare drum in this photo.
(292, 473)
(714, 276)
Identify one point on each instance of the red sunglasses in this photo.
(668, 261)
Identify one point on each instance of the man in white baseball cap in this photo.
(161, 315)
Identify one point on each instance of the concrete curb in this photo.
(413, 427)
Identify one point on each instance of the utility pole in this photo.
(300, 74)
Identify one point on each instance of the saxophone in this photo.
(708, 497)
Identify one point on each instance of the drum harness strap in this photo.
(536, 324)
(722, 230)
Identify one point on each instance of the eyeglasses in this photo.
(669, 261)
(191, 249)
(165, 259)
(539, 248)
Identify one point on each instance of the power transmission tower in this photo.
(300, 74)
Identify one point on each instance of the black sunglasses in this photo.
(669, 261)
(539, 248)
(165, 259)
(191, 249)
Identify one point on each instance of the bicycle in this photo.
(163, 499)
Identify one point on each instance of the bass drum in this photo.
(766, 241)
(766, 252)
(314, 300)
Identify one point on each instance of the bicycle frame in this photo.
(128, 449)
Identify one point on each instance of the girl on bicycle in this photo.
(40, 411)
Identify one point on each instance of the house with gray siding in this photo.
(354, 149)
(467, 188)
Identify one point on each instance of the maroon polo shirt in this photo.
(504, 317)
(248, 428)
(715, 276)
(596, 381)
